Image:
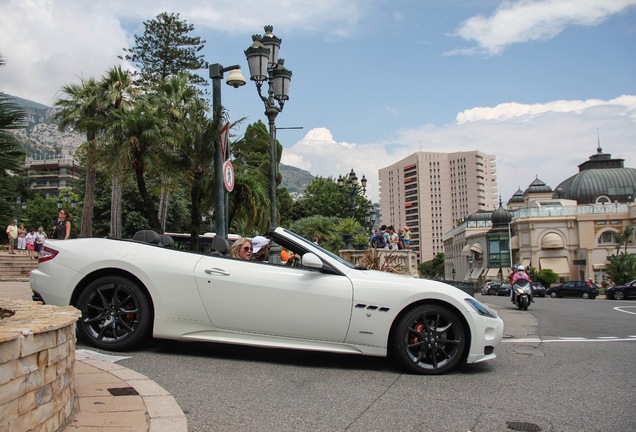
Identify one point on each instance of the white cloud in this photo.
(532, 20)
(545, 140)
(47, 43)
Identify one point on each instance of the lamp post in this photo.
(352, 188)
(67, 197)
(234, 79)
(264, 64)
(370, 216)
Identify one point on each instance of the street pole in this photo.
(271, 114)
(220, 193)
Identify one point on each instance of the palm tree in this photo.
(117, 93)
(249, 203)
(175, 96)
(143, 132)
(82, 109)
(197, 154)
(11, 117)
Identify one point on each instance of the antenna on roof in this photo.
(598, 140)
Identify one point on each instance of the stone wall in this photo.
(37, 358)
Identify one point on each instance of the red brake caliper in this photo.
(419, 327)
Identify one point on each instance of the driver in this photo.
(520, 273)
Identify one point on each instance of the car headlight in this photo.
(480, 308)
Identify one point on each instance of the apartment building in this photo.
(49, 175)
(429, 192)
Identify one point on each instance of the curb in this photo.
(160, 410)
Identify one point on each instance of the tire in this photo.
(553, 294)
(619, 295)
(428, 340)
(116, 314)
(585, 295)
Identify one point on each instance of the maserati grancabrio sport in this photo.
(130, 290)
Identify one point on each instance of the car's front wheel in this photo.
(619, 295)
(429, 339)
(585, 295)
(553, 294)
(116, 313)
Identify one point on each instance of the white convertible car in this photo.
(128, 290)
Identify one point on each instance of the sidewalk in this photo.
(111, 397)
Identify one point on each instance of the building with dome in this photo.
(569, 230)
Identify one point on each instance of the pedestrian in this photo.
(400, 234)
(12, 233)
(407, 237)
(21, 239)
(393, 240)
(378, 240)
(40, 236)
(30, 242)
(62, 230)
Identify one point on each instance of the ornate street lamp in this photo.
(370, 216)
(353, 188)
(234, 79)
(264, 65)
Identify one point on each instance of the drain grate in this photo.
(123, 391)
(523, 426)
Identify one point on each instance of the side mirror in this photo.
(311, 260)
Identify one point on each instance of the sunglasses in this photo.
(247, 248)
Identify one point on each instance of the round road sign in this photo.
(228, 176)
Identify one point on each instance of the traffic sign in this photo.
(228, 176)
(224, 141)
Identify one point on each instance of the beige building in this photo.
(50, 175)
(569, 230)
(429, 192)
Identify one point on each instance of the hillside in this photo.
(41, 138)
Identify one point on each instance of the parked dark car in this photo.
(573, 289)
(621, 292)
(503, 289)
(488, 288)
(538, 289)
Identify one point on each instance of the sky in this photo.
(536, 83)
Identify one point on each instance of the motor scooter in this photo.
(522, 291)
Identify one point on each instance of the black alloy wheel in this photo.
(618, 295)
(585, 295)
(553, 294)
(116, 313)
(429, 340)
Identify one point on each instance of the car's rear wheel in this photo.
(585, 295)
(619, 295)
(429, 339)
(116, 313)
(553, 294)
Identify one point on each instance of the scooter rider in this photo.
(520, 273)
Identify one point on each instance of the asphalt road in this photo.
(565, 365)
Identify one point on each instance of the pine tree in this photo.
(166, 49)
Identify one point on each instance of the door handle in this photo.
(216, 271)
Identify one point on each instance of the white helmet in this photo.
(520, 268)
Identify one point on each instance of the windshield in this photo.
(303, 241)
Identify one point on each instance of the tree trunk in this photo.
(86, 224)
(149, 208)
(115, 207)
(195, 221)
(164, 202)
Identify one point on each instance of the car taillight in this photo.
(46, 254)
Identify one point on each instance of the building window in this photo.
(603, 199)
(607, 237)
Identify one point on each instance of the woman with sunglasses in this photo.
(242, 249)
